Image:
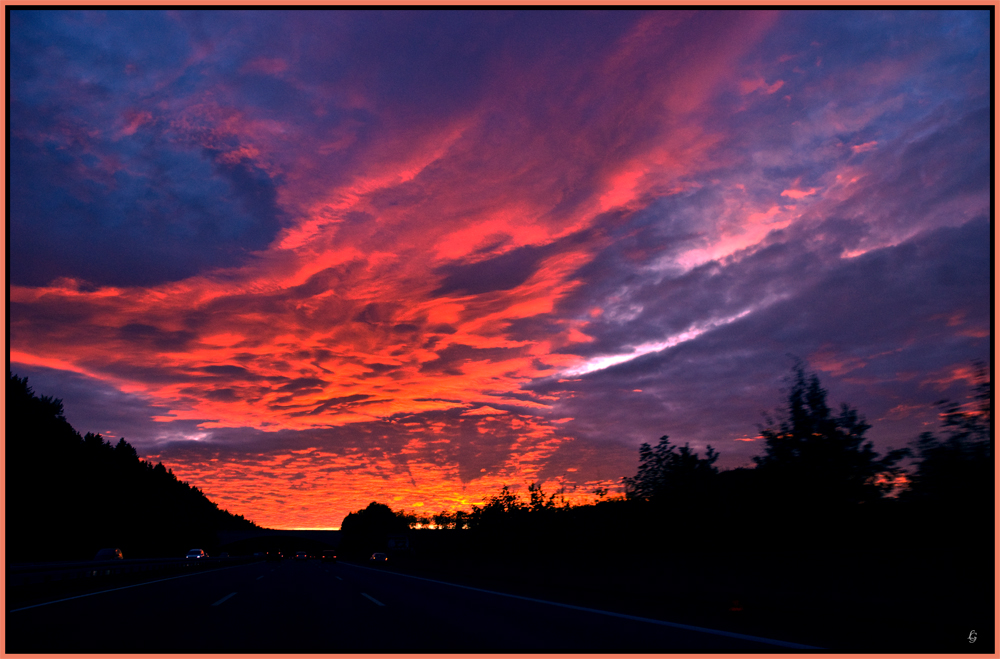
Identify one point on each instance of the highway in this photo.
(310, 606)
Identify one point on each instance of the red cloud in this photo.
(413, 242)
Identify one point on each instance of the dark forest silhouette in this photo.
(70, 495)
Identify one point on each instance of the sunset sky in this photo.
(312, 259)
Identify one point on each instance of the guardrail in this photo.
(26, 574)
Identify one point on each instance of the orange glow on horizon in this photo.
(402, 275)
(317, 488)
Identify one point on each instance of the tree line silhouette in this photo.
(821, 514)
(817, 465)
(70, 495)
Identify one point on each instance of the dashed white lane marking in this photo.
(260, 577)
(111, 590)
(223, 599)
(369, 597)
(339, 579)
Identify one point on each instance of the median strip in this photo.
(223, 599)
(373, 599)
(676, 625)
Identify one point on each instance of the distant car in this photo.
(196, 553)
(378, 557)
(301, 556)
(274, 555)
(330, 555)
(109, 554)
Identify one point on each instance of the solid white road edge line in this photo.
(223, 599)
(677, 625)
(373, 599)
(135, 585)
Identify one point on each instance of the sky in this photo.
(313, 259)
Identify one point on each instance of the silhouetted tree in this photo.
(667, 472)
(498, 513)
(539, 503)
(955, 469)
(815, 457)
(367, 530)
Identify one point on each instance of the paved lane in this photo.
(474, 619)
(309, 606)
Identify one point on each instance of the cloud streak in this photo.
(326, 257)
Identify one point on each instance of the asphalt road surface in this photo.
(310, 606)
